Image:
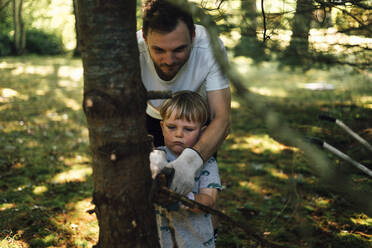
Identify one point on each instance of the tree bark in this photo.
(114, 105)
(19, 30)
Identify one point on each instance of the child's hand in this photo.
(158, 160)
(190, 196)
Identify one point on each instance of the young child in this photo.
(184, 118)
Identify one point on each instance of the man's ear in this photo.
(144, 36)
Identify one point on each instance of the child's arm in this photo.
(207, 197)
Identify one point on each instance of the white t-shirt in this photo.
(200, 73)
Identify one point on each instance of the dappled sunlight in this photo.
(251, 186)
(235, 104)
(322, 39)
(39, 190)
(7, 94)
(41, 70)
(362, 219)
(77, 173)
(257, 143)
(277, 173)
(82, 225)
(74, 73)
(54, 116)
(72, 104)
(366, 101)
(231, 40)
(6, 206)
(274, 92)
(322, 202)
(244, 64)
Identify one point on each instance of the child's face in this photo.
(180, 133)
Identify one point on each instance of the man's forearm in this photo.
(213, 137)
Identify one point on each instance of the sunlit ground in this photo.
(47, 184)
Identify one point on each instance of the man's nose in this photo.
(169, 59)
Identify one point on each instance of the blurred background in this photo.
(298, 59)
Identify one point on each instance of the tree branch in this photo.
(3, 5)
(264, 20)
(330, 4)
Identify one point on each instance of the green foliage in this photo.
(5, 44)
(44, 43)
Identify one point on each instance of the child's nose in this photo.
(179, 132)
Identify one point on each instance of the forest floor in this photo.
(46, 177)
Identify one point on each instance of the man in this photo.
(176, 55)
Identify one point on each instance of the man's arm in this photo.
(219, 104)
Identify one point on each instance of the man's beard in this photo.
(168, 75)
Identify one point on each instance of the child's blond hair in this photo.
(186, 105)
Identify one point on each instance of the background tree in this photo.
(77, 48)
(19, 27)
(297, 51)
(114, 104)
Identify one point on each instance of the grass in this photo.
(46, 181)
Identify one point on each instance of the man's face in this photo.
(169, 51)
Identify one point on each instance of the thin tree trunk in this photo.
(19, 30)
(114, 104)
(77, 48)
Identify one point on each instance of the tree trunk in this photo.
(299, 44)
(77, 48)
(248, 26)
(19, 30)
(114, 105)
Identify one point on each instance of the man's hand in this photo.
(185, 166)
(158, 160)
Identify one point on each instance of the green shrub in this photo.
(5, 44)
(44, 43)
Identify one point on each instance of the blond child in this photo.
(184, 118)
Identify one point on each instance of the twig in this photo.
(330, 4)
(264, 20)
(171, 227)
(193, 204)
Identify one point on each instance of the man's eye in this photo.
(156, 50)
(180, 49)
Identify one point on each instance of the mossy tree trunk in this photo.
(114, 105)
(19, 27)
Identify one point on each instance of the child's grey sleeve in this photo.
(209, 176)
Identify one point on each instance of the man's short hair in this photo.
(186, 105)
(160, 15)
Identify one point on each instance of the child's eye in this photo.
(189, 129)
(171, 127)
